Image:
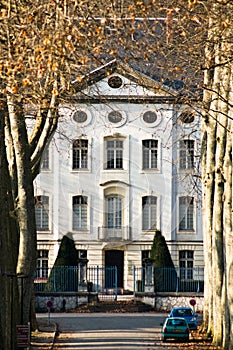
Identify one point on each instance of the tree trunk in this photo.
(24, 207)
(9, 312)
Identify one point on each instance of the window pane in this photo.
(186, 213)
(42, 213)
(45, 159)
(42, 263)
(79, 213)
(114, 154)
(149, 213)
(186, 264)
(150, 154)
(80, 154)
(114, 212)
(186, 154)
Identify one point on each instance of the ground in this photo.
(198, 340)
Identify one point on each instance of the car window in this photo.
(182, 312)
(176, 323)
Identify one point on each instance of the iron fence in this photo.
(103, 279)
(99, 279)
(170, 279)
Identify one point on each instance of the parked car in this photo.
(187, 313)
(175, 328)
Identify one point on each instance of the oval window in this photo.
(115, 82)
(115, 117)
(150, 117)
(80, 116)
(187, 117)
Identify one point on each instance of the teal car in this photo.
(175, 328)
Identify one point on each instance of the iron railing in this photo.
(103, 279)
(170, 279)
(71, 279)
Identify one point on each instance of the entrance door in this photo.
(116, 258)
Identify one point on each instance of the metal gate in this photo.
(103, 280)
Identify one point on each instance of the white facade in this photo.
(113, 178)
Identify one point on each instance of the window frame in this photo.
(82, 216)
(186, 264)
(186, 154)
(44, 214)
(147, 223)
(184, 214)
(150, 154)
(80, 155)
(45, 161)
(117, 206)
(114, 155)
(42, 264)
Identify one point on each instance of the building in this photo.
(123, 163)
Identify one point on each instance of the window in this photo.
(114, 152)
(114, 212)
(80, 116)
(79, 213)
(186, 264)
(115, 82)
(187, 117)
(150, 117)
(150, 154)
(186, 211)
(115, 117)
(149, 213)
(80, 154)
(42, 213)
(186, 154)
(42, 263)
(45, 160)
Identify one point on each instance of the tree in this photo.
(217, 175)
(64, 274)
(164, 269)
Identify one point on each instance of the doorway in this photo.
(116, 258)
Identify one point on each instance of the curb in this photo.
(45, 337)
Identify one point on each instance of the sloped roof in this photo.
(160, 91)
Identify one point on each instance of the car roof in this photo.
(181, 307)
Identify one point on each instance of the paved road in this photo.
(108, 331)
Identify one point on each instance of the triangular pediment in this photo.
(119, 81)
